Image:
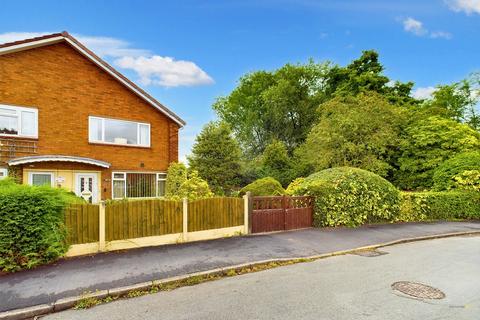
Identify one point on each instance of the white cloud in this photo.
(467, 6)
(151, 69)
(110, 47)
(414, 26)
(423, 92)
(165, 71)
(417, 28)
(441, 34)
(102, 46)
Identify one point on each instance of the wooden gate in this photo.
(279, 213)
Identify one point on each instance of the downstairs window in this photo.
(138, 185)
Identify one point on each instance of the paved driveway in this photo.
(341, 287)
(103, 271)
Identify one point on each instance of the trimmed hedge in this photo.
(350, 197)
(445, 174)
(31, 225)
(264, 187)
(422, 206)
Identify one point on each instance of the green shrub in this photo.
(350, 197)
(184, 183)
(468, 180)
(264, 187)
(294, 185)
(451, 205)
(448, 174)
(31, 225)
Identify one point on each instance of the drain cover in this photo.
(418, 290)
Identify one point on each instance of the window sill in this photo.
(119, 145)
(14, 136)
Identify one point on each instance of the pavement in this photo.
(71, 277)
(340, 287)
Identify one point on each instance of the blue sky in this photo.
(188, 53)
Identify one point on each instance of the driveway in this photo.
(103, 271)
(341, 287)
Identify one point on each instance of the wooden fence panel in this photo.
(142, 218)
(215, 213)
(82, 221)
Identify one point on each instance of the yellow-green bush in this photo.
(451, 205)
(264, 187)
(350, 197)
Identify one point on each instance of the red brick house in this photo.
(69, 119)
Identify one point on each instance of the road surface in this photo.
(342, 287)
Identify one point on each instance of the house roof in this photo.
(66, 37)
(60, 158)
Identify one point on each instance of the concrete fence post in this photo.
(185, 219)
(250, 211)
(101, 227)
(246, 199)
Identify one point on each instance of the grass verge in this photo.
(88, 302)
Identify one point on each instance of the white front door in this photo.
(86, 186)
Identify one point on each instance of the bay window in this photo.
(18, 121)
(104, 130)
(138, 185)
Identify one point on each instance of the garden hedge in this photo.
(264, 187)
(451, 205)
(31, 225)
(350, 197)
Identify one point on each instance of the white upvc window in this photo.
(119, 181)
(138, 185)
(121, 132)
(18, 121)
(38, 178)
(161, 183)
(3, 173)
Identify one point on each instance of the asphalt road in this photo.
(75, 276)
(342, 287)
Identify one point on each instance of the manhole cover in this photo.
(369, 253)
(418, 290)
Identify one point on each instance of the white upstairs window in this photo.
(18, 121)
(122, 132)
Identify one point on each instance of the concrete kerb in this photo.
(67, 303)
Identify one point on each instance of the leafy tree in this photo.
(365, 75)
(184, 183)
(428, 143)
(216, 157)
(362, 132)
(276, 163)
(458, 101)
(278, 105)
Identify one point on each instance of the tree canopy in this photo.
(216, 157)
(278, 105)
(428, 143)
(362, 131)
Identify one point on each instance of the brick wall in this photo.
(66, 88)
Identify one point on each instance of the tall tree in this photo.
(365, 74)
(216, 157)
(278, 105)
(362, 131)
(458, 101)
(428, 143)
